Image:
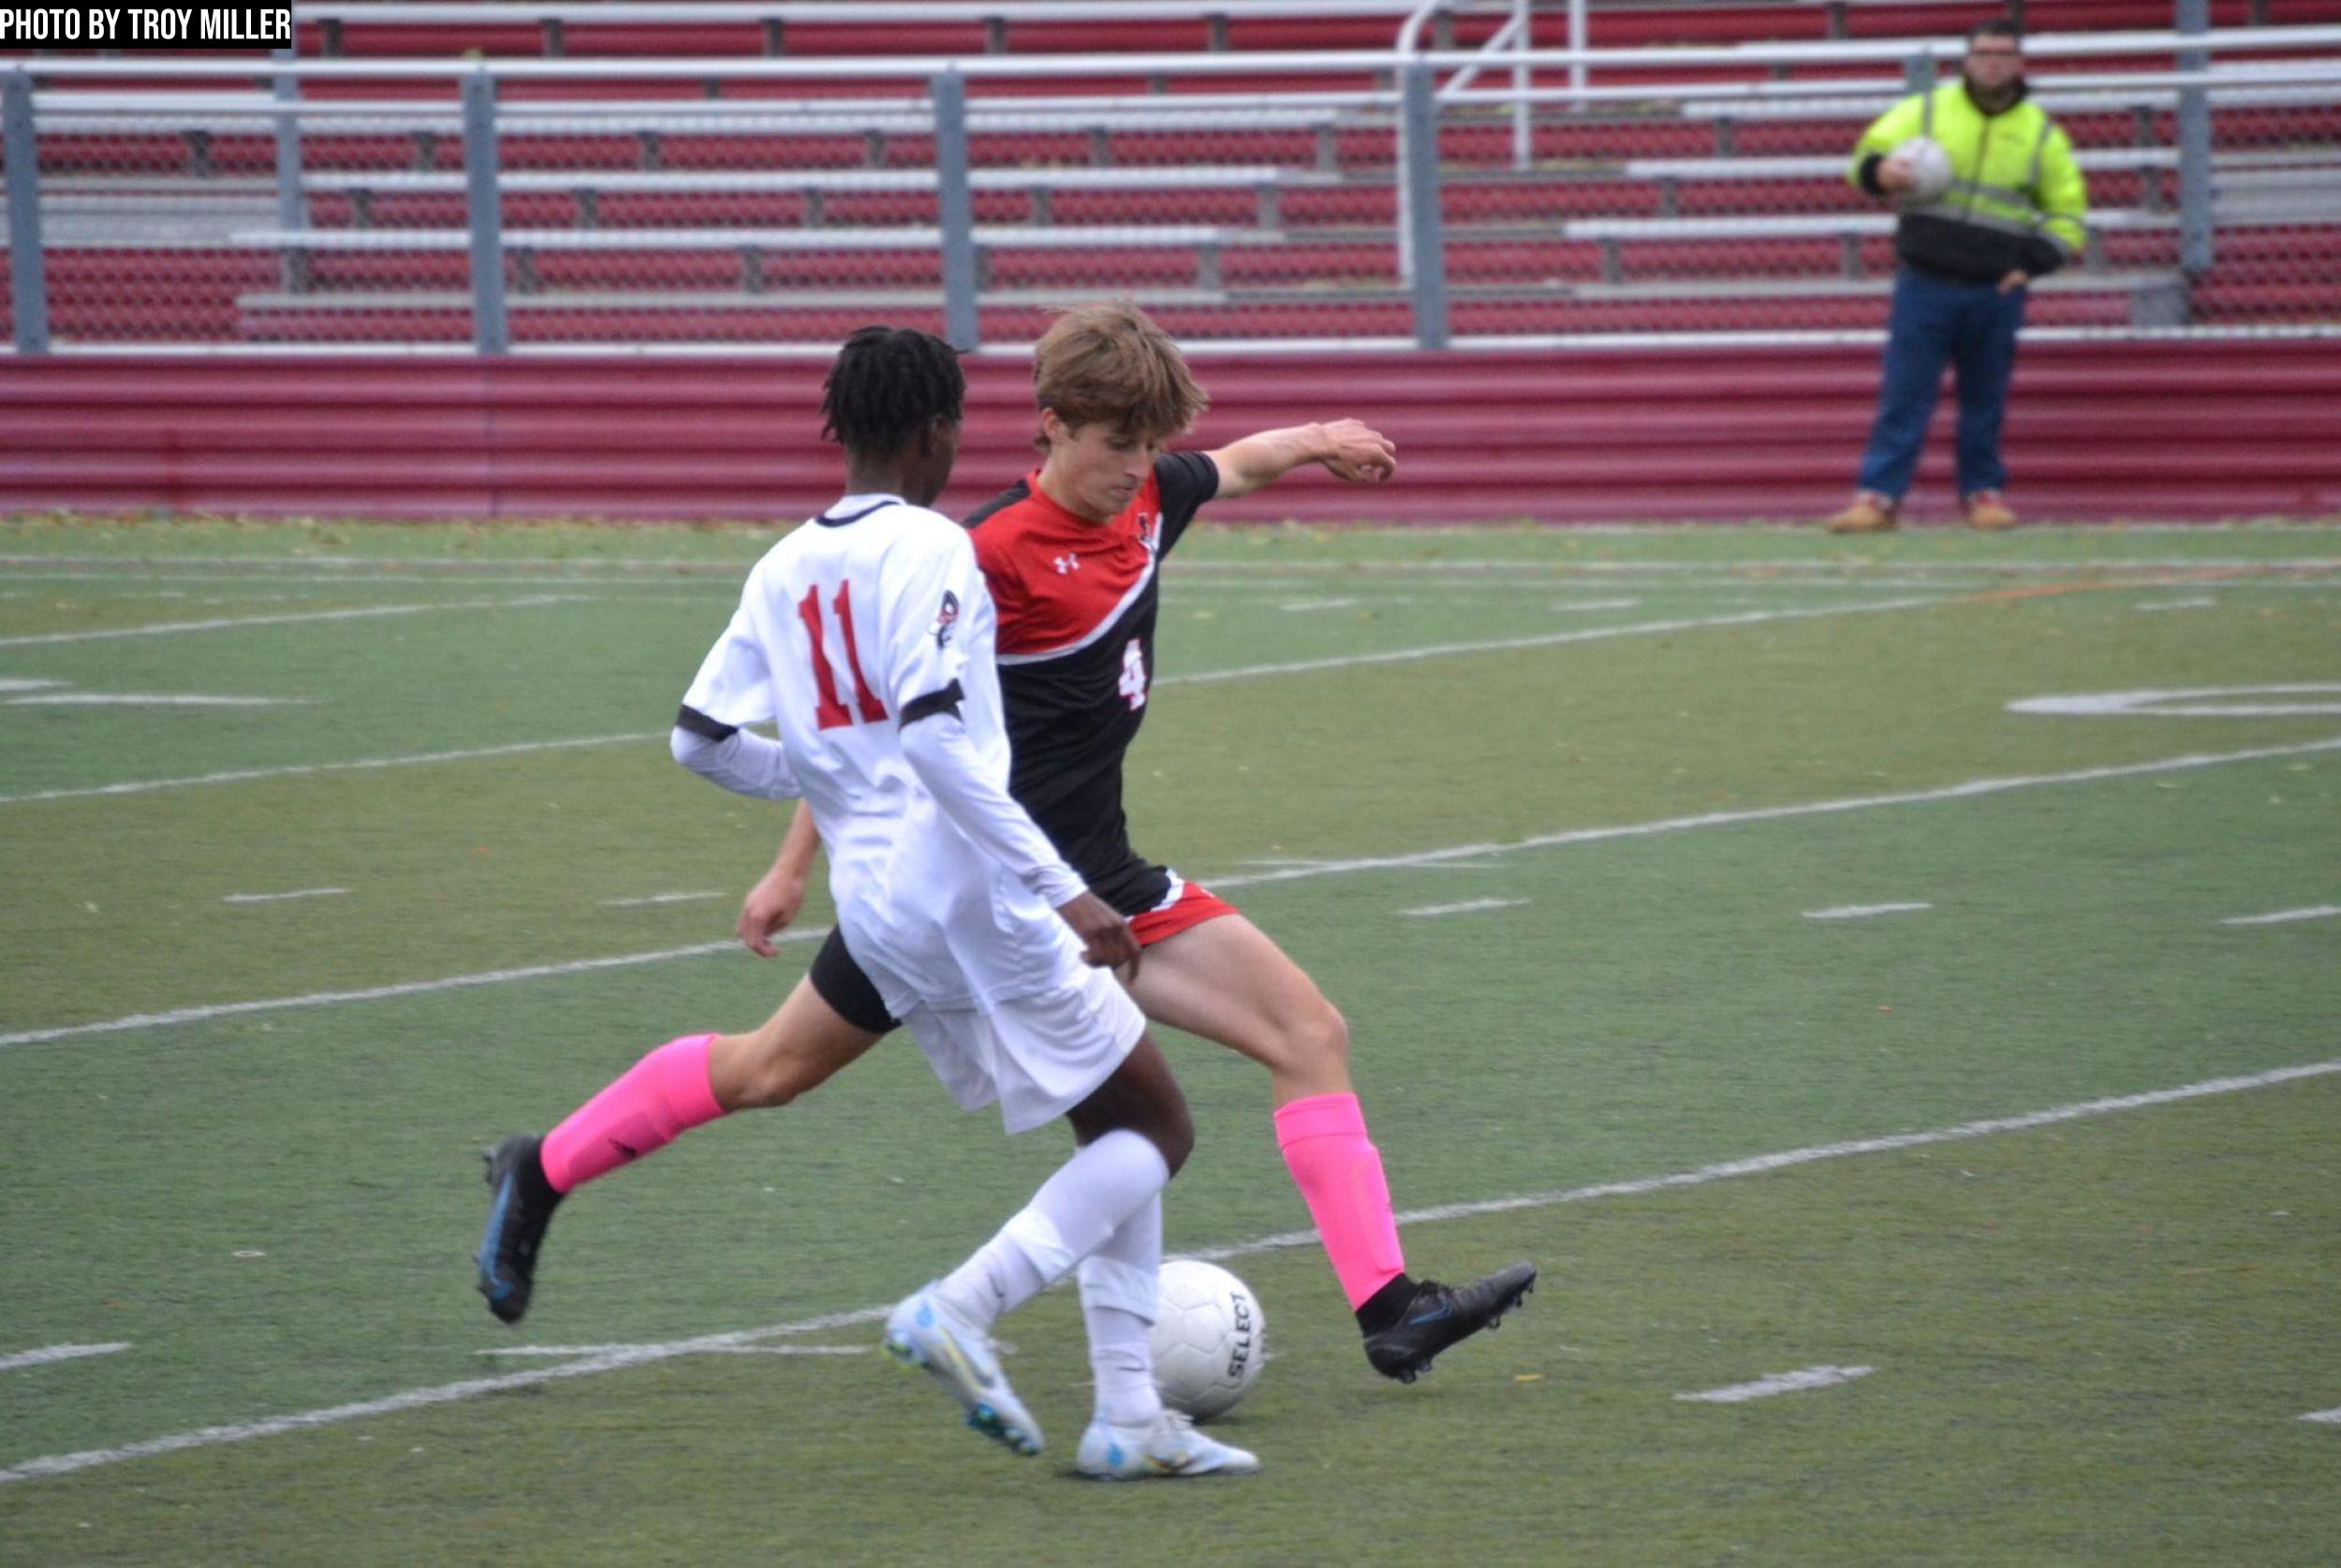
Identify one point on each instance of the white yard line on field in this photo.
(554, 1350)
(56, 1353)
(2330, 1417)
(281, 897)
(236, 622)
(1969, 790)
(649, 898)
(1546, 639)
(1779, 1383)
(1860, 911)
(448, 1393)
(153, 700)
(2159, 604)
(2285, 917)
(1395, 655)
(1470, 906)
(296, 770)
(378, 993)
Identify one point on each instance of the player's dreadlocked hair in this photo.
(888, 384)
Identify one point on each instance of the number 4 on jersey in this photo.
(829, 712)
(1133, 683)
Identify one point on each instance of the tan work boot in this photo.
(1871, 513)
(1985, 509)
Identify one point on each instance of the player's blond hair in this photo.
(1108, 363)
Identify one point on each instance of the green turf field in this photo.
(1597, 839)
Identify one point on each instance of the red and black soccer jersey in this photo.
(1077, 602)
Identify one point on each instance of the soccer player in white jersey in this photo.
(866, 638)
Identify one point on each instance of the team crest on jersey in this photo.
(1150, 532)
(946, 619)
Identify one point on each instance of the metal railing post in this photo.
(1523, 133)
(2195, 216)
(28, 276)
(491, 326)
(292, 208)
(1420, 175)
(1918, 73)
(1580, 39)
(955, 210)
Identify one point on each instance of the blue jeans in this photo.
(1936, 321)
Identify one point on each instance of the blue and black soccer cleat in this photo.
(1438, 1315)
(521, 1208)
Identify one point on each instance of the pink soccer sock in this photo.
(1339, 1173)
(654, 1101)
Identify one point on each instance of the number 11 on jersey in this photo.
(829, 712)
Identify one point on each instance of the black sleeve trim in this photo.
(945, 701)
(1867, 174)
(690, 718)
(1184, 480)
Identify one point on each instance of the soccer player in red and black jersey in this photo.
(1071, 554)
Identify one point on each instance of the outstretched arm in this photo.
(1351, 451)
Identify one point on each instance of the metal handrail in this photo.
(1304, 62)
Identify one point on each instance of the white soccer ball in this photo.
(1930, 170)
(1209, 1339)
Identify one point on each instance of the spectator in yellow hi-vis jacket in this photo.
(2013, 214)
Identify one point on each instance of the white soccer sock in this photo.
(1070, 1217)
(1120, 1285)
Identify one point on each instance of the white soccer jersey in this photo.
(842, 626)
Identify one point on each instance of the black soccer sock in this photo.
(1386, 1306)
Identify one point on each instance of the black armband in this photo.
(1867, 174)
(945, 701)
(698, 723)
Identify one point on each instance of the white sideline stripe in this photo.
(2330, 1417)
(1467, 908)
(1296, 606)
(1394, 655)
(235, 621)
(2318, 911)
(295, 770)
(657, 898)
(1972, 788)
(718, 1350)
(447, 1393)
(1588, 604)
(1856, 910)
(280, 897)
(1547, 640)
(56, 1353)
(1779, 1383)
(2175, 604)
(1330, 868)
(23, 686)
(376, 993)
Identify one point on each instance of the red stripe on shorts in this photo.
(1195, 905)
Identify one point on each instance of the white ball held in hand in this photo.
(1929, 167)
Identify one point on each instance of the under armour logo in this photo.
(1065, 564)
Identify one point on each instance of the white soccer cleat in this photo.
(1169, 1449)
(924, 1332)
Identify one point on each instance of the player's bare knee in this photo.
(1172, 1131)
(1320, 1041)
